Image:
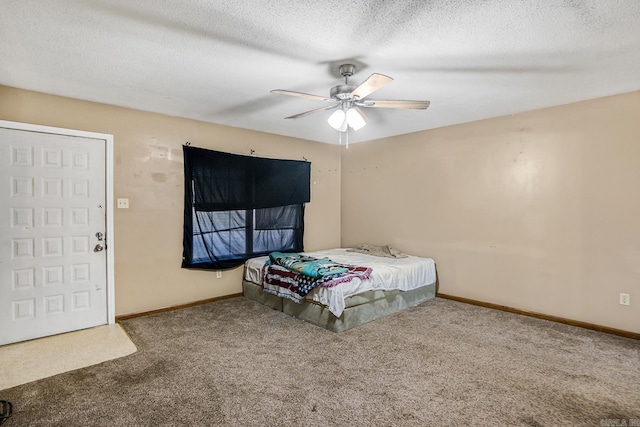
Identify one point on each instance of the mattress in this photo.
(388, 274)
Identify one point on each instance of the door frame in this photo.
(108, 139)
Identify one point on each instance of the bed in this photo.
(393, 285)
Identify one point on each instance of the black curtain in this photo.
(237, 207)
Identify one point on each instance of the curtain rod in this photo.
(252, 152)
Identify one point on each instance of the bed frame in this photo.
(360, 309)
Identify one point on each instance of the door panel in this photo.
(52, 198)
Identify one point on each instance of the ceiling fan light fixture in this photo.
(355, 118)
(338, 120)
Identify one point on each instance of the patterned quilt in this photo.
(284, 274)
(306, 265)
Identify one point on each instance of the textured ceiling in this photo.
(216, 61)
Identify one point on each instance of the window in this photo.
(238, 207)
(242, 234)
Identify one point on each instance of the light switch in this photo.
(123, 203)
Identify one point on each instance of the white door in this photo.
(53, 275)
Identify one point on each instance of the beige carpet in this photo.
(45, 357)
(442, 363)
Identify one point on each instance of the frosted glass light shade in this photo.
(338, 120)
(355, 118)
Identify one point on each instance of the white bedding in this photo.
(387, 274)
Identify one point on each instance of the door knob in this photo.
(99, 247)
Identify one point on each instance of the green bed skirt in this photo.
(360, 309)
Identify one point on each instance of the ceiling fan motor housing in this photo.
(342, 92)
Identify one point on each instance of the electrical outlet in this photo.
(218, 274)
(625, 299)
(123, 203)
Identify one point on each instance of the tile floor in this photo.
(28, 361)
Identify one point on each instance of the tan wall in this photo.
(538, 211)
(149, 171)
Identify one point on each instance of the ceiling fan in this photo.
(348, 98)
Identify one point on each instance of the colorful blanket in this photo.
(306, 265)
(287, 282)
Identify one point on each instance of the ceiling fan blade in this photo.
(317, 110)
(404, 105)
(374, 82)
(301, 95)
